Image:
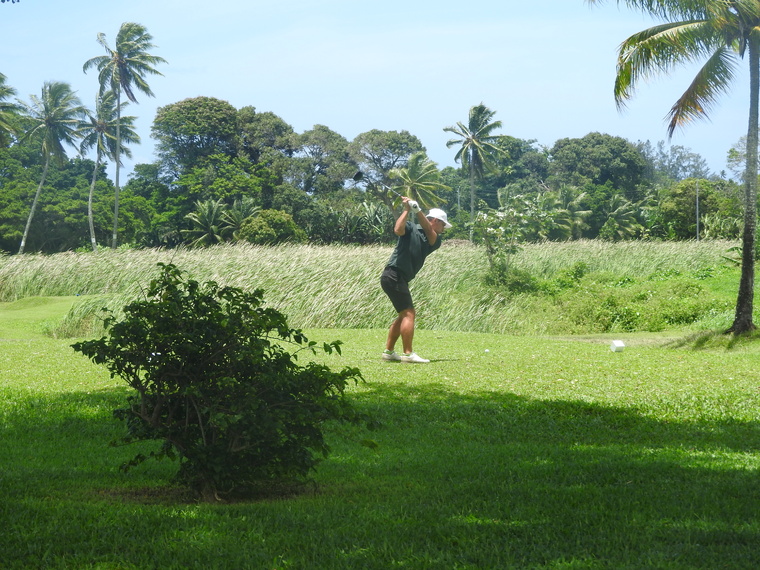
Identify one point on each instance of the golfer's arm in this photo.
(400, 227)
(427, 228)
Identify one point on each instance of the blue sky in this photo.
(546, 68)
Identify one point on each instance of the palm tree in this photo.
(207, 223)
(55, 118)
(420, 179)
(622, 222)
(720, 32)
(99, 131)
(123, 69)
(477, 146)
(8, 112)
(572, 201)
(548, 219)
(233, 218)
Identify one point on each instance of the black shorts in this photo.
(397, 289)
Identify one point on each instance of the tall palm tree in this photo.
(478, 147)
(8, 112)
(720, 32)
(420, 179)
(99, 131)
(123, 69)
(55, 118)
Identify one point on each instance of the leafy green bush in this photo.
(606, 303)
(511, 279)
(567, 278)
(271, 227)
(214, 384)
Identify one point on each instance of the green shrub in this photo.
(609, 303)
(214, 384)
(511, 279)
(271, 227)
(570, 277)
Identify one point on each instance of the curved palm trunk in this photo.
(114, 238)
(89, 205)
(744, 302)
(34, 205)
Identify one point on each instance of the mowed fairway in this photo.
(544, 452)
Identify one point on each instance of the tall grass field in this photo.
(525, 443)
(625, 286)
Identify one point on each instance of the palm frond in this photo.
(711, 81)
(667, 9)
(56, 115)
(420, 180)
(660, 49)
(125, 66)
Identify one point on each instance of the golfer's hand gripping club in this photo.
(414, 206)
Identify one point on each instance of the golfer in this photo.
(415, 242)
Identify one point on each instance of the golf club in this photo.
(412, 203)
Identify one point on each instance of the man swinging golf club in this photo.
(415, 242)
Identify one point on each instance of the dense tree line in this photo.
(225, 174)
(219, 168)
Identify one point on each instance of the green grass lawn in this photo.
(544, 452)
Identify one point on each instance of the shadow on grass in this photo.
(715, 339)
(63, 443)
(545, 480)
(485, 480)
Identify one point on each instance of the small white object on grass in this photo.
(487, 350)
(617, 346)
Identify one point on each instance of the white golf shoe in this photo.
(391, 355)
(413, 357)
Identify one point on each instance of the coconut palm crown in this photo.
(123, 69)
(53, 118)
(478, 146)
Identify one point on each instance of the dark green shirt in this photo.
(411, 250)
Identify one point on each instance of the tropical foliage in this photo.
(123, 70)
(220, 169)
(719, 33)
(271, 227)
(478, 146)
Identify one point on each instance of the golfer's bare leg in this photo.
(393, 333)
(402, 327)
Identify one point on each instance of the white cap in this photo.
(439, 214)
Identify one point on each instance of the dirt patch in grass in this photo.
(164, 495)
(175, 495)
